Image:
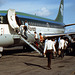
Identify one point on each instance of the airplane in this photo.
(9, 26)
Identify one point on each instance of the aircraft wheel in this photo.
(0, 55)
(1, 50)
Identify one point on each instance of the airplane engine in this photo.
(6, 40)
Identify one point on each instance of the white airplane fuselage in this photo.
(9, 37)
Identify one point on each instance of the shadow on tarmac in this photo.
(10, 51)
(30, 64)
(14, 52)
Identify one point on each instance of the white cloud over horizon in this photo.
(43, 12)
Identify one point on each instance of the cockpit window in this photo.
(3, 20)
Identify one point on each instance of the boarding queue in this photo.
(51, 50)
(52, 47)
(58, 45)
(58, 48)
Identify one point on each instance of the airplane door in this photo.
(12, 19)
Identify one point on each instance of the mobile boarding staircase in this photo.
(33, 46)
(14, 25)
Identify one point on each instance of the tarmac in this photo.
(31, 63)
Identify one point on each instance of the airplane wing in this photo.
(71, 33)
(54, 35)
(70, 36)
(69, 25)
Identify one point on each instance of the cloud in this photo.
(2, 2)
(44, 12)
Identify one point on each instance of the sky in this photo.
(44, 8)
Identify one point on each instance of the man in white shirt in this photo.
(22, 29)
(36, 38)
(61, 47)
(48, 49)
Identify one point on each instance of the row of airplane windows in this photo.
(3, 20)
(43, 24)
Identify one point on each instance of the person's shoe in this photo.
(49, 68)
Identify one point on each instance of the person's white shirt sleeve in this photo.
(45, 46)
(54, 47)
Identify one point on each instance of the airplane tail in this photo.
(59, 17)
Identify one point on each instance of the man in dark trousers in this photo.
(61, 47)
(48, 50)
